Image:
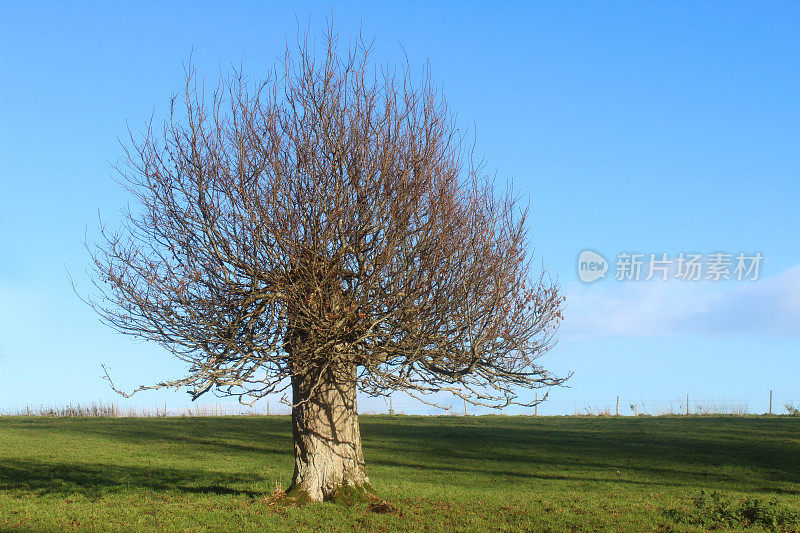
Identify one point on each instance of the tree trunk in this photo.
(327, 441)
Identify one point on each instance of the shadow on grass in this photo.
(584, 473)
(96, 480)
(724, 452)
(258, 435)
(665, 451)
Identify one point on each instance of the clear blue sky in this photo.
(631, 126)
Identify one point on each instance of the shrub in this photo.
(712, 511)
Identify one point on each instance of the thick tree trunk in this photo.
(327, 441)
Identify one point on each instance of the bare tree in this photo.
(325, 230)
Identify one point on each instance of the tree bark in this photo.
(327, 440)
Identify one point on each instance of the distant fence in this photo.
(117, 411)
(617, 406)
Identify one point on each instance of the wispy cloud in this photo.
(769, 306)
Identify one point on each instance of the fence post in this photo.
(391, 408)
(465, 407)
(687, 405)
(536, 404)
(770, 401)
(636, 409)
(267, 408)
(617, 410)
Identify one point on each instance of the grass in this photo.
(432, 473)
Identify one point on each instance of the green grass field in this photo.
(435, 473)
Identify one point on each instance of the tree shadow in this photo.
(257, 435)
(722, 451)
(95, 480)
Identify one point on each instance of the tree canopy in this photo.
(332, 212)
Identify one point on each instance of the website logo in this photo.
(591, 266)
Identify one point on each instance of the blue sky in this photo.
(650, 127)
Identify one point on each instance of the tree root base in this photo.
(347, 495)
